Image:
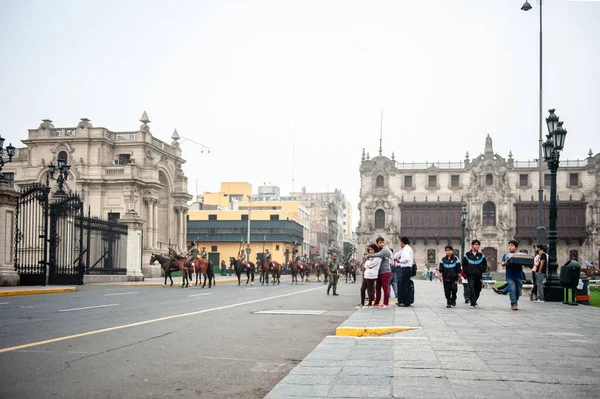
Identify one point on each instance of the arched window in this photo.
(489, 214)
(62, 158)
(379, 219)
(379, 182)
(489, 179)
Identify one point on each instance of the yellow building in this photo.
(231, 193)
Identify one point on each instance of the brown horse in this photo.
(265, 267)
(185, 272)
(320, 268)
(168, 266)
(293, 267)
(204, 268)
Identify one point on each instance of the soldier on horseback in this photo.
(191, 255)
(203, 254)
(267, 258)
(242, 257)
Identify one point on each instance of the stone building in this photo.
(115, 173)
(422, 201)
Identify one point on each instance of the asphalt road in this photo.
(154, 342)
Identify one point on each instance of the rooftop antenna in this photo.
(380, 132)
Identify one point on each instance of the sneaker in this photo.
(540, 300)
(336, 294)
(453, 303)
(382, 306)
(360, 307)
(448, 306)
(476, 306)
(495, 290)
(472, 306)
(467, 301)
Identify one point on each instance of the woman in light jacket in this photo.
(370, 276)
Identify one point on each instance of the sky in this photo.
(290, 92)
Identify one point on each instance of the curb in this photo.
(133, 284)
(369, 331)
(37, 292)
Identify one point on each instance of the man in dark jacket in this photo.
(474, 265)
(449, 272)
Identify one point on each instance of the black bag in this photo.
(414, 269)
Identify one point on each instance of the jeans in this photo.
(394, 282)
(383, 282)
(516, 285)
(540, 277)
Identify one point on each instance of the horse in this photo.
(293, 268)
(168, 267)
(185, 272)
(239, 267)
(265, 267)
(204, 267)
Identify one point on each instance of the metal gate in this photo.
(66, 241)
(31, 230)
(106, 246)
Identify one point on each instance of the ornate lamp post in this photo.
(552, 148)
(463, 222)
(63, 174)
(10, 151)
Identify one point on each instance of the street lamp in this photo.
(10, 151)
(463, 220)
(63, 175)
(552, 148)
(541, 230)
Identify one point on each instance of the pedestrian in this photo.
(430, 274)
(370, 276)
(540, 273)
(449, 274)
(514, 274)
(334, 276)
(474, 264)
(385, 272)
(404, 273)
(223, 268)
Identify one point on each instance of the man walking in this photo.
(406, 260)
(474, 264)
(449, 273)
(333, 274)
(540, 274)
(514, 274)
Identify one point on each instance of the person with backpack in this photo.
(449, 269)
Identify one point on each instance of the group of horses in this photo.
(174, 262)
(264, 267)
(203, 268)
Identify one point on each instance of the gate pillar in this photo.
(135, 226)
(8, 201)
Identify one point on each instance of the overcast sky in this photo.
(241, 77)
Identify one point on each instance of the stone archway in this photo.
(491, 254)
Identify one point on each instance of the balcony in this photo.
(120, 172)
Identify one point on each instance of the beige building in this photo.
(115, 173)
(422, 201)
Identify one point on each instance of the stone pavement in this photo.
(543, 350)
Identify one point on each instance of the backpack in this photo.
(414, 269)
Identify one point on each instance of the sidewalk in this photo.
(543, 350)
(149, 282)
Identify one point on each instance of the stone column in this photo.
(135, 226)
(149, 222)
(8, 201)
(155, 223)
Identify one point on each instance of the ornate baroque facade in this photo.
(422, 201)
(115, 173)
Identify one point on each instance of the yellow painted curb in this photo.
(368, 331)
(36, 292)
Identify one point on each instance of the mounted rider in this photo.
(203, 254)
(192, 254)
(267, 258)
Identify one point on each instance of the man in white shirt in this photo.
(404, 272)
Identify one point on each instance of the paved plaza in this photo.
(543, 350)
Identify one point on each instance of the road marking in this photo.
(27, 307)
(89, 307)
(122, 293)
(291, 311)
(195, 295)
(141, 323)
(4, 303)
(253, 288)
